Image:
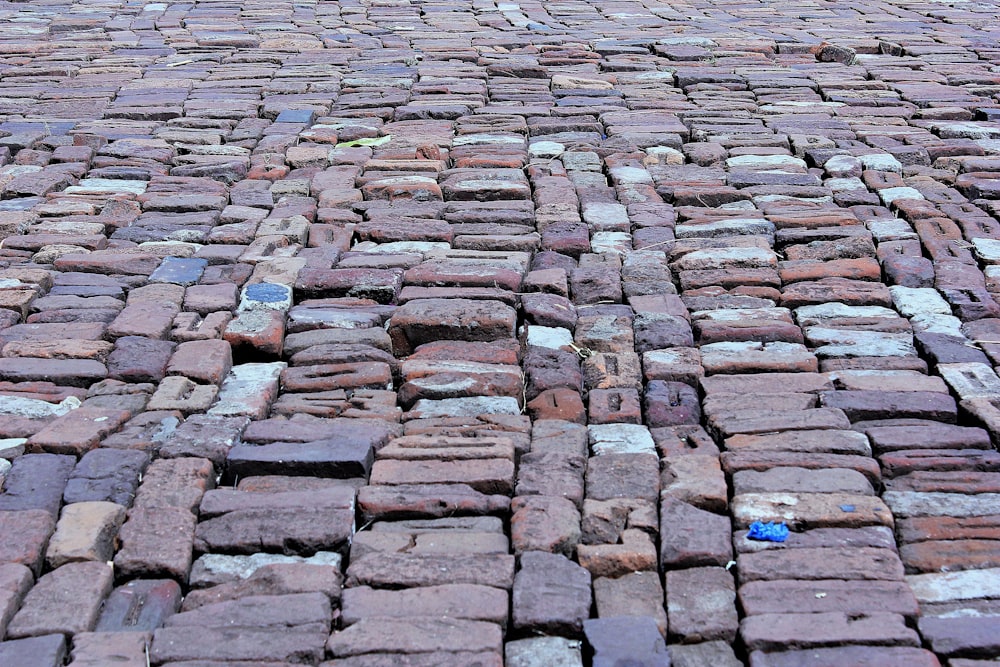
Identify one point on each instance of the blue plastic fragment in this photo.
(847, 508)
(768, 532)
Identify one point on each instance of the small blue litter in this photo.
(847, 508)
(768, 532)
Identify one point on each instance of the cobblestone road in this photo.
(432, 334)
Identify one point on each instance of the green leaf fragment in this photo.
(367, 141)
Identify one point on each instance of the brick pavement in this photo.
(386, 332)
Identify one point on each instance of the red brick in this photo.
(77, 431)
(202, 360)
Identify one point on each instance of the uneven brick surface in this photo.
(399, 332)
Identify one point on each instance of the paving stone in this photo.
(181, 394)
(635, 552)
(251, 644)
(139, 606)
(138, 359)
(953, 586)
(248, 390)
(544, 523)
(92, 649)
(423, 224)
(85, 532)
(492, 476)
(673, 365)
(829, 441)
(767, 383)
(42, 651)
(878, 629)
(634, 594)
(795, 480)
(178, 483)
(625, 475)
(551, 593)
(288, 522)
(968, 637)
(106, 475)
(604, 521)
(543, 651)
(924, 434)
(427, 320)
(755, 422)
(620, 638)
(294, 612)
(864, 563)
(427, 500)
(691, 537)
(606, 370)
(619, 439)
(701, 605)
(32, 529)
(906, 505)
(459, 601)
(866, 405)
(863, 656)
(206, 361)
(203, 436)
(703, 654)
(15, 581)
(415, 636)
(938, 555)
(156, 541)
(404, 570)
(558, 473)
(36, 481)
(66, 600)
(819, 510)
(750, 357)
(231, 576)
(78, 431)
(465, 535)
(73, 372)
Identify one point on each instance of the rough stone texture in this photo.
(156, 542)
(264, 574)
(414, 636)
(66, 600)
(36, 482)
(551, 594)
(861, 656)
(139, 606)
(94, 649)
(626, 639)
(966, 637)
(543, 523)
(701, 605)
(543, 652)
(106, 475)
(635, 594)
(86, 531)
(705, 654)
(28, 534)
(290, 522)
(15, 580)
(435, 292)
(692, 537)
(230, 644)
(777, 631)
(43, 651)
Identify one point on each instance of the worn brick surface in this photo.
(482, 313)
